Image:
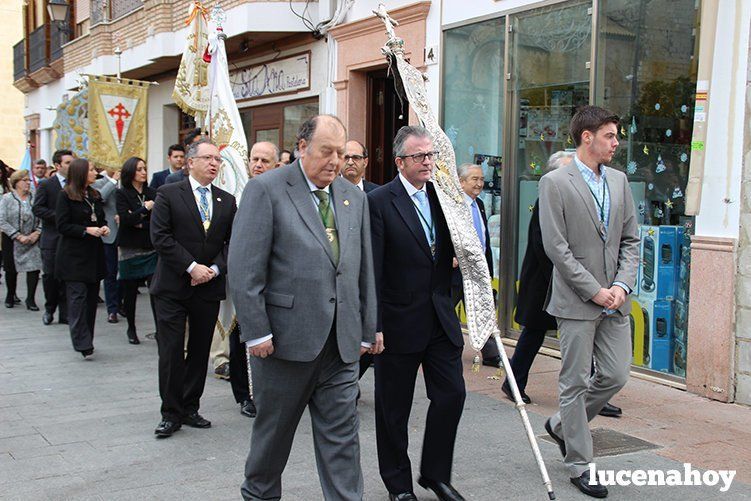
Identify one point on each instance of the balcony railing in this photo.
(58, 37)
(19, 60)
(108, 10)
(38, 49)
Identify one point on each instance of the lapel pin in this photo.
(346, 202)
(218, 199)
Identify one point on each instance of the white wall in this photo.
(162, 125)
(725, 123)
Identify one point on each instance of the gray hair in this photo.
(559, 159)
(405, 133)
(192, 151)
(308, 127)
(463, 170)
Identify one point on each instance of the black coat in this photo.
(414, 290)
(456, 278)
(79, 256)
(534, 280)
(134, 218)
(45, 208)
(179, 239)
(158, 178)
(368, 186)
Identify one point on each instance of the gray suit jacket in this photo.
(282, 276)
(582, 262)
(107, 189)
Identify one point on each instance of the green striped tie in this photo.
(327, 217)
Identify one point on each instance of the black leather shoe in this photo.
(558, 440)
(47, 318)
(32, 306)
(248, 408)
(166, 428)
(443, 491)
(9, 304)
(507, 390)
(222, 372)
(492, 362)
(611, 410)
(403, 496)
(63, 320)
(112, 318)
(16, 299)
(133, 337)
(596, 490)
(195, 420)
(86, 354)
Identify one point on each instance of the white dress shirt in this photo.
(313, 188)
(194, 185)
(61, 179)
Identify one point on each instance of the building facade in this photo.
(12, 136)
(505, 77)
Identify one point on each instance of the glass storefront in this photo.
(511, 117)
(277, 123)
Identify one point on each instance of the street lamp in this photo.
(58, 10)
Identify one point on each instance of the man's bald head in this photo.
(263, 156)
(321, 141)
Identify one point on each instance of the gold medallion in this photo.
(330, 234)
(206, 225)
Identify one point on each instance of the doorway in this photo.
(386, 114)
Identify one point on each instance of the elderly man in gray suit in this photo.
(301, 277)
(590, 234)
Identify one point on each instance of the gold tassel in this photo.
(476, 363)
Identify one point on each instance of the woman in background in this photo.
(6, 244)
(80, 251)
(23, 229)
(137, 258)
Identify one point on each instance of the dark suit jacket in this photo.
(158, 178)
(179, 239)
(134, 218)
(45, 206)
(456, 278)
(79, 256)
(414, 290)
(176, 177)
(534, 280)
(369, 186)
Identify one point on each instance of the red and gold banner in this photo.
(117, 120)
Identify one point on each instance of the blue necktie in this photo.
(477, 220)
(425, 217)
(204, 204)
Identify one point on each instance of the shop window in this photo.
(647, 75)
(473, 108)
(277, 123)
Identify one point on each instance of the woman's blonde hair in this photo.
(17, 176)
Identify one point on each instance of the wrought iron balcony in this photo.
(19, 60)
(103, 11)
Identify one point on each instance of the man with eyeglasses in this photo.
(355, 163)
(191, 223)
(412, 259)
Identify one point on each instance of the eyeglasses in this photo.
(356, 158)
(420, 157)
(209, 158)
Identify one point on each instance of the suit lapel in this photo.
(299, 193)
(406, 209)
(614, 192)
(581, 187)
(217, 206)
(190, 203)
(342, 212)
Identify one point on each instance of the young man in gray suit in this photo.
(301, 277)
(590, 234)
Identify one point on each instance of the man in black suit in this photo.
(412, 257)
(176, 160)
(191, 223)
(355, 163)
(45, 204)
(472, 181)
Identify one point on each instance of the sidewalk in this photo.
(75, 429)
